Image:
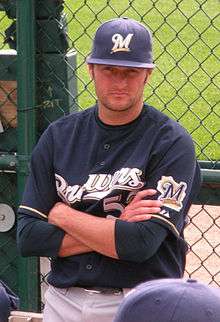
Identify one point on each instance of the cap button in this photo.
(158, 301)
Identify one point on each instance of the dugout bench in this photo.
(21, 316)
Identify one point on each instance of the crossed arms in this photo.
(69, 232)
(86, 233)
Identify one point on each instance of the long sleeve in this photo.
(37, 237)
(174, 172)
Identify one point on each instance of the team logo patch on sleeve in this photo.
(172, 192)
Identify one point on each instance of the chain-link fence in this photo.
(8, 124)
(184, 85)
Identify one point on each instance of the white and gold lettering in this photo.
(120, 43)
(98, 186)
(74, 193)
(98, 182)
(61, 185)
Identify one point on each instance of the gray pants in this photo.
(78, 305)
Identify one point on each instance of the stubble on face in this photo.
(117, 103)
(119, 92)
(118, 96)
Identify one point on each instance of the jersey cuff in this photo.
(31, 211)
(165, 222)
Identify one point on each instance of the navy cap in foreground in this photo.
(122, 42)
(171, 300)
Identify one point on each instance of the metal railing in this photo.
(47, 78)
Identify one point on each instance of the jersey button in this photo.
(89, 266)
(107, 146)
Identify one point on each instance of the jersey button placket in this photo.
(89, 267)
(107, 146)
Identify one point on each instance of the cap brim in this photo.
(114, 62)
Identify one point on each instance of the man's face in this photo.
(119, 88)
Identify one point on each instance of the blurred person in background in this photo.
(171, 300)
(8, 302)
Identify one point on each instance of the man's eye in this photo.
(108, 69)
(133, 71)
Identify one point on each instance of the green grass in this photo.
(185, 84)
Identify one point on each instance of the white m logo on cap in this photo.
(121, 44)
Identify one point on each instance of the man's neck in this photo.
(110, 117)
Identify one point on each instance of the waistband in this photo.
(102, 290)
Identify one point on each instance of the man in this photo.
(171, 300)
(8, 301)
(109, 187)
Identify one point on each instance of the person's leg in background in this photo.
(8, 301)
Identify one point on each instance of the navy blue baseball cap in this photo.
(122, 42)
(171, 300)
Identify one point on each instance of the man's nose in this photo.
(120, 79)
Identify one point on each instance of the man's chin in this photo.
(115, 107)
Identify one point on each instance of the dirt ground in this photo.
(203, 237)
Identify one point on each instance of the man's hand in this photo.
(70, 245)
(58, 214)
(140, 209)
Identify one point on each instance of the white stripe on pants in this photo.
(74, 304)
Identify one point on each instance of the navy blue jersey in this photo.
(98, 168)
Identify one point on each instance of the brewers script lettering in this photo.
(99, 185)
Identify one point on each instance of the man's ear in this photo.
(91, 70)
(148, 74)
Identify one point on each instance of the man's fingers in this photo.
(145, 203)
(139, 211)
(144, 193)
(139, 218)
(140, 206)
